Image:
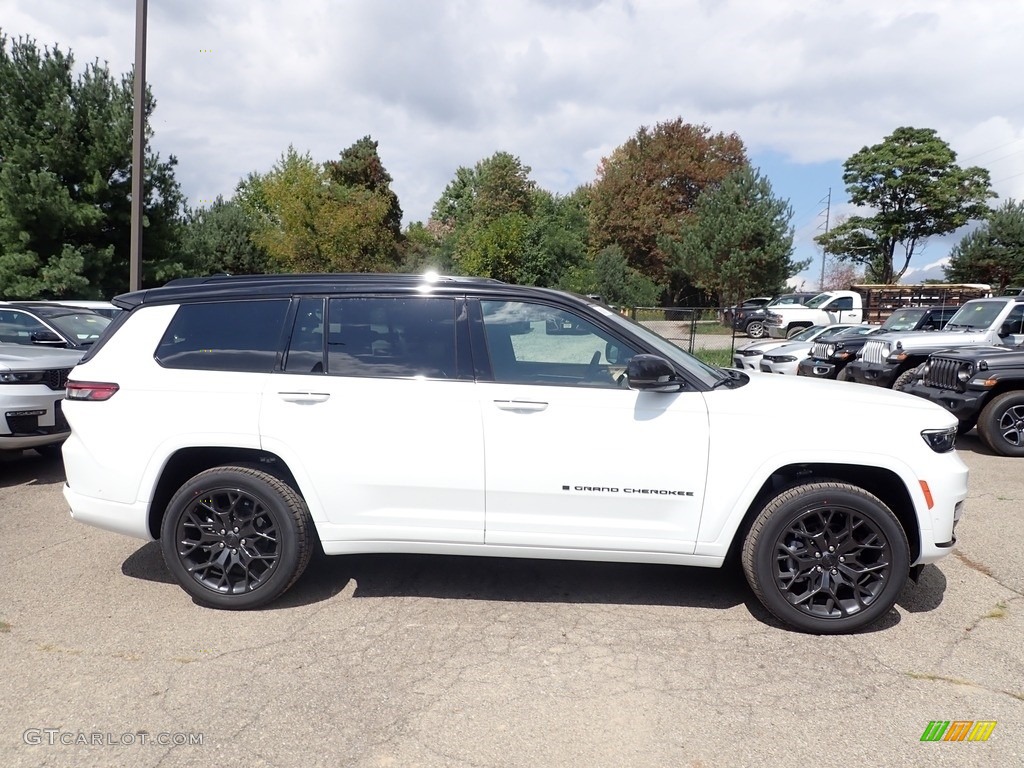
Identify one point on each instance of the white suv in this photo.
(241, 420)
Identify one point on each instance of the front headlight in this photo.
(22, 377)
(785, 359)
(925, 367)
(830, 349)
(965, 372)
(940, 440)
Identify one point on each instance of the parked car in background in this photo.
(728, 313)
(209, 418)
(981, 386)
(104, 308)
(32, 381)
(828, 358)
(891, 360)
(748, 356)
(751, 320)
(786, 359)
(50, 325)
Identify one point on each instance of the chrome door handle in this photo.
(521, 406)
(304, 398)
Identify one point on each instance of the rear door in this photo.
(375, 410)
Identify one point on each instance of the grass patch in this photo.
(4, 626)
(720, 357)
(999, 612)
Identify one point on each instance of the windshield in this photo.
(976, 315)
(903, 320)
(809, 334)
(707, 374)
(818, 300)
(84, 328)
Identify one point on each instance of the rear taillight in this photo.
(90, 390)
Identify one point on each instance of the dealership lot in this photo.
(420, 661)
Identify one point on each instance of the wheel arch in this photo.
(188, 462)
(879, 481)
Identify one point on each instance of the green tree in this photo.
(994, 252)
(609, 275)
(739, 242)
(65, 180)
(221, 238)
(485, 216)
(308, 222)
(557, 237)
(360, 166)
(912, 183)
(648, 186)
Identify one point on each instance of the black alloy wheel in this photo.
(236, 537)
(827, 558)
(1001, 424)
(755, 329)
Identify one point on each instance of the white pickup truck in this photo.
(824, 309)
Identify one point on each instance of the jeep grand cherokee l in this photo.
(243, 420)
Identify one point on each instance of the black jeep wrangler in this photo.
(981, 386)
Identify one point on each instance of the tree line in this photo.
(675, 215)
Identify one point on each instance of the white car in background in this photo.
(32, 382)
(748, 356)
(786, 358)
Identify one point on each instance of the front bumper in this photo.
(817, 369)
(873, 373)
(31, 416)
(964, 405)
(948, 486)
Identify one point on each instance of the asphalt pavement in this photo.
(436, 661)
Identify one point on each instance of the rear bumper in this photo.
(126, 519)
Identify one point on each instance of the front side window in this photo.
(18, 327)
(538, 344)
(1015, 320)
(224, 336)
(392, 337)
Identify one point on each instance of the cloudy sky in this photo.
(561, 83)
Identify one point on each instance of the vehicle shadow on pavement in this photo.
(971, 443)
(533, 581)
(21, 468)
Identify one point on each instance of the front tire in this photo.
(756, 330)
(844, 375)
(827, 558)
(793, 330)
(236, 537)
(1001, 424)
(907, 378)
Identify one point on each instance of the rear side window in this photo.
(224, 336)
(391, 337)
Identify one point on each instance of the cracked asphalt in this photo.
(418, 661)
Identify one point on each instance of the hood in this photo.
(856, 403)
(934, 339)
(798, 349)
(761, 345)
(994, 357)
(22, 357)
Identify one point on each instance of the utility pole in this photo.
(138, 147)
(828, 207)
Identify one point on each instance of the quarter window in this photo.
(392, 337)
(537, 344)
(224, 336)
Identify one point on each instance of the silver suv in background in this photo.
(32, 381)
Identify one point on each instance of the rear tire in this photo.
(827, 558)
(1001, 424)
(236, 537)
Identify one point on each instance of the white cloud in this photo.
(558, 83)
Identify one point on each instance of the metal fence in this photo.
(702, 331)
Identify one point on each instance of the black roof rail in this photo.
(353, 277)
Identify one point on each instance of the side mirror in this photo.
(47, 339)
(1005, 330)
(611, 353)
(652, 374)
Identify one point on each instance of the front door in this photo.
(575, 459)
